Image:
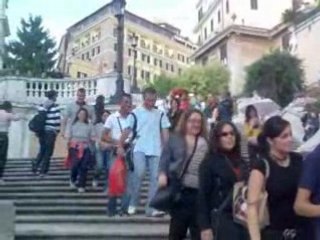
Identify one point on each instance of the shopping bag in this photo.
(117, 178)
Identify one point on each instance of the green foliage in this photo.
(288, 16)
(278, 76)
(34, 51)
(210, 79)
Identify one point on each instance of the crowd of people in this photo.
(195, 148)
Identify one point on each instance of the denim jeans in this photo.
(79, 167)
(46, 141)
(141, 163)
(102, 165)
(125, 199)
(3, 152)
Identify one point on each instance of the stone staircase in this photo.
(48, 209)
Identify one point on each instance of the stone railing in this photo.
(22, 90)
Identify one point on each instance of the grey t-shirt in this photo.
(72, 109)
(81, 132)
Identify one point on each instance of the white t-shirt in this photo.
(116, 124)
(148, 138)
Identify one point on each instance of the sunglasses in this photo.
(226, 134)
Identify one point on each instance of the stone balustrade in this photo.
(23, 90)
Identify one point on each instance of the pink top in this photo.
(5, 120)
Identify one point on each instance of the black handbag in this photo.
(166, 197)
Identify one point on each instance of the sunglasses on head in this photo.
(226, 134)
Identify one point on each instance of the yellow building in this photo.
(89, 47)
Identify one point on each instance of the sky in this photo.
(58, 15)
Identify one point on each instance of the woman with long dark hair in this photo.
(185, 150)
(80, 138)
(174, 113)
(221, 169)
(6, 117)
(284, 170)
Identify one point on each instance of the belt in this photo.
(287, 234)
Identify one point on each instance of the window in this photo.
(148, 59)
(129, 52)
(167, 66)
(254, 4)
(160, 63)
(179, 71)
(129, 70)
(205, 33)
(142, 74)
(200, 14)
(219, 16)
(147, 75)
(172, 68)
(115, 47)
(82, 56)
(183, 58)
(98, 49)
(155, 61)
(78, 74)
(143, 57)
(115, 66)
(93, 52)
(115, 32)
(212, 25)
(88, 56)
(84, 75)
(227, 6)
(223, 53)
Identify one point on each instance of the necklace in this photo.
(281, 162)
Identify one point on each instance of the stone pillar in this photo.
(7, 219)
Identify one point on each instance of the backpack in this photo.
(38, 122)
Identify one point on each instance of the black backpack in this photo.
(37, 123)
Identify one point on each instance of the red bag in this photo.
(117, 178)
(67, 162)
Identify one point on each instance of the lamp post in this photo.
(134, 44)
(119, 8)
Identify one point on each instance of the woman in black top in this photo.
(174, 113)
(222, 168)
(285, 167)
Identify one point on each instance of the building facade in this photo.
(4, 29)
(89, 47)
(240, 32)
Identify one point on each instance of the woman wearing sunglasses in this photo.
(222, 168)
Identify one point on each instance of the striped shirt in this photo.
(53, 117)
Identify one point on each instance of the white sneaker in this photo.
(94, 184)
(132, 210)
(157, 213)
(81, 190)
(72, 185)
(2, 182)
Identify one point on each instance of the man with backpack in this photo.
(49, 118)
(150, 128)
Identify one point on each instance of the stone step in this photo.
(72, 210)
(28, 161)
(56, 195)
(142, 219)
(101, 202)
(25, 169)
(75, 231)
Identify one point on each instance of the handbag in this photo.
(240, 202)
(165, 198)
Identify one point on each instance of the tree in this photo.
(34, 51)
(210, 79)
(278, 76)
(213, 78)
(163, 84)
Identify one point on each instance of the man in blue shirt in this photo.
(150, 126)
(308, 198)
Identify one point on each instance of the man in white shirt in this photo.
(114, 126)
(150, 126)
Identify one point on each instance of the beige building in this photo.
(238, 34)
(89, 47)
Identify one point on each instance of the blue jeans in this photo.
(102, 165)
(80, 167)
(125, 199)
(141, 162)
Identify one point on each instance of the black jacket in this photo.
(216, 183)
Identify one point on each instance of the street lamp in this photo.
(119, 11)
(134, 44)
